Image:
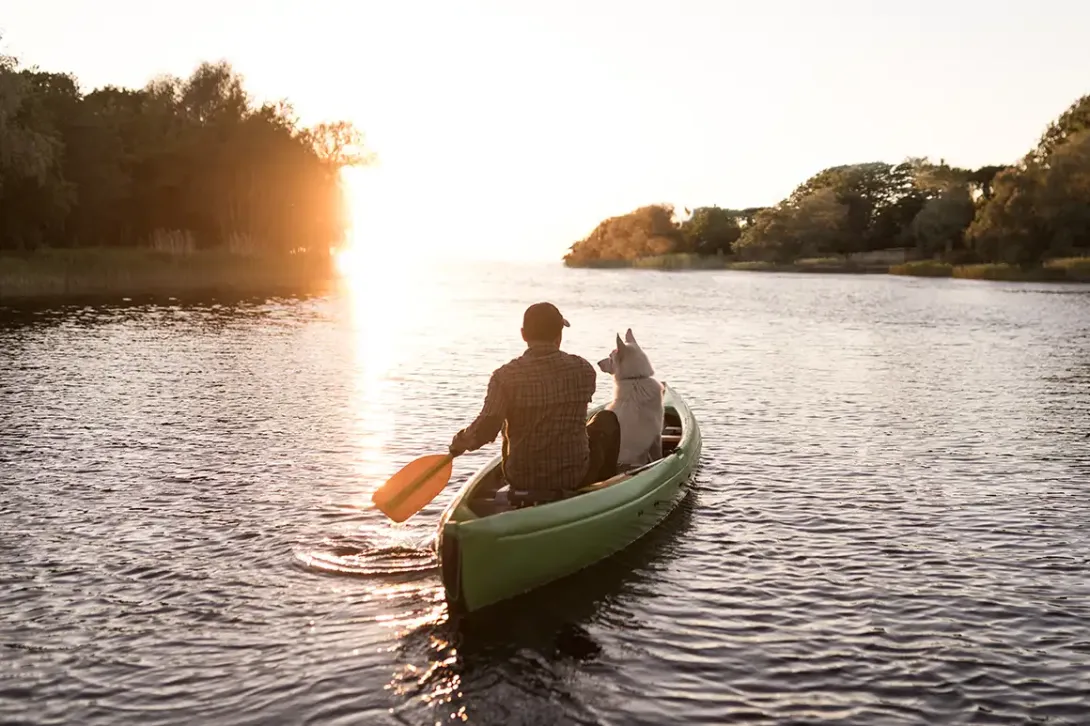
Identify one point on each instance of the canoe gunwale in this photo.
(600, 514)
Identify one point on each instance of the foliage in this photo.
(982, 179)
(1040, 209)
(194, 157)
(711, 230)
(940, 224)
(806, 225)
(1007, 227)
(645, 232)
(1072, 121)
(861, 208)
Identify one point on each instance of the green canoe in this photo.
(485, 558)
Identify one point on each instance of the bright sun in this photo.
(372, 235)
(374, 261)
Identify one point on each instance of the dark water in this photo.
(891, 525)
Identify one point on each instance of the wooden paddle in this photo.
(409, 490)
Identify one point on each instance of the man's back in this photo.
(546, 392)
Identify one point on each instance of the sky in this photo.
(507, 129)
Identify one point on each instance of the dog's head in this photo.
(627, 360)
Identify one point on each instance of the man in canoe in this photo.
(539, 401)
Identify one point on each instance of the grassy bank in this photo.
(716, 262)
(1068, 269)
(658, 262)
(102, 272)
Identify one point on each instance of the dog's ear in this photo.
(620, 346)
(629, 337)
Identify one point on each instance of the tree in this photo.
(880, 199)
(1075, 119)
(34, 196)
(26, 153)
(940, 225)
(747, 215)
(1038, 210)
(338, 144)
(983, 178)
(811, 226)
(711, 230)
(1064, 195)
(644, 232)
(1008, 228)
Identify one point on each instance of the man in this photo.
(539, 400)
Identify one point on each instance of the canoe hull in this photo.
(484, 560)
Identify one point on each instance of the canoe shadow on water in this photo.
(503, 641)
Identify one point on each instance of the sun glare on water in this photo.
(386, 294)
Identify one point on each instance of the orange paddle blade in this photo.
(409, 490)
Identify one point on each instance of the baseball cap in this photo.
(542, 321)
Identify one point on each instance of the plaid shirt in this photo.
(539, 400)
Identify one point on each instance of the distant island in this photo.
(178, 186)
(1026, 221)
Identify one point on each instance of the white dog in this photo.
(637, 402)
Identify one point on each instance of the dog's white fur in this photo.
(637, 402)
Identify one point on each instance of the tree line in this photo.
(1020, 214)
(181, 164)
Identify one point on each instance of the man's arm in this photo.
(488, 423)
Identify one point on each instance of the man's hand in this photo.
(458, 445)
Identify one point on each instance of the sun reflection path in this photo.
(387, 298)
(375, 346)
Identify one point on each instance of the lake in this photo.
(890, 523)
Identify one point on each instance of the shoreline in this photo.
(87, 275)
(1065, 270)
(112, 274)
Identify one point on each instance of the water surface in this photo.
(889, 525)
